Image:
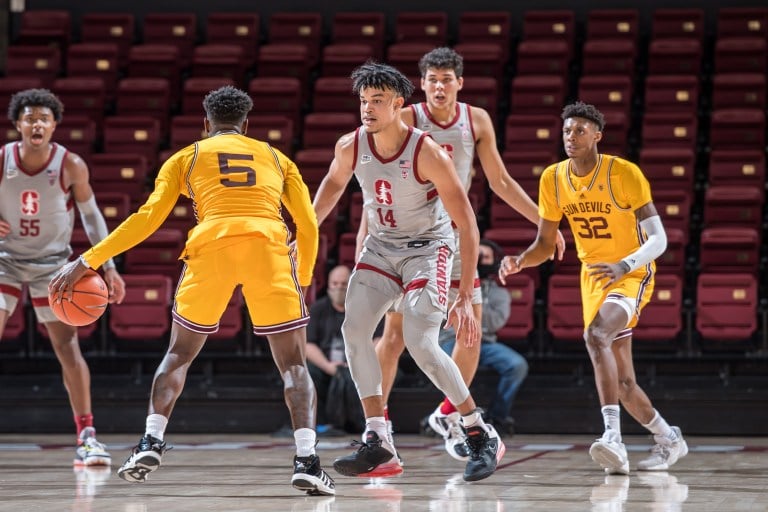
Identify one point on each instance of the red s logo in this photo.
(383, 192)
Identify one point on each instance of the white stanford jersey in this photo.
(36, 205)
(399, 205)
(457, 137)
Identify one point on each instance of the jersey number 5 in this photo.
(225, 168)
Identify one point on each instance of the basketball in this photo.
(89, 301)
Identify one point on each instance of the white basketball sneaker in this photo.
(449, 426)
(665, 452)
(610, 453)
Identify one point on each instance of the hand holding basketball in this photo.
(86, 302)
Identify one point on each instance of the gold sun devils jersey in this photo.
(238, 186)
(600, 207)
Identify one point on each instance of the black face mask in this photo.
(485, 270)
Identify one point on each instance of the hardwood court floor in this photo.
(252, 473)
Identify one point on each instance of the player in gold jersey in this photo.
(618, 234)
(238, 186)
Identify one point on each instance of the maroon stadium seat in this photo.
(45, 27)
(565, 321)
(302, 28)
(78, 134)
(158, 254)
(276, 130)
(334, 94)
(145, 312)
(41, 62)
(609, 93)
(678, 24)
(340, 59)
(422, 27)
(220, 60)
(613, 24)
(537, 94)
(488, 28)
(482, 59)
(533, 132)
(347, 246)
(733, 205)
(668, 168)
(322, 130)
(360, 28)
(609, 57)
(674, 57)
(520, 322)
(313, 166)
(157, 61)
(737, 167)
(549, 26)
(671, 93)
(82, 96)
(526, 168)
(661, 320)
(149, 97)
(133, 134)
(670, 130)
(239, 28)
(277, 96)
(543, 57)
(118, 172)
(95, 60)
(483, 92)
(674, 207)
(726, 306)
(742, 22)
(672, 261)
(175, 28)
(737, 128)
(738, 90)
(110, 27)
(740, 55)
(729, 249)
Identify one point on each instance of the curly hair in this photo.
(442, 58)
(228, 105)
(585, 110)
(381, 76)
(34, 98)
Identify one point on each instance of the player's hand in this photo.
(608, 272)
(461, 317)
(559, 247)
(63, 281)
(5, 228)
(116, 286)
(509, 265)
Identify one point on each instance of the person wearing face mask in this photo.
(509, 364)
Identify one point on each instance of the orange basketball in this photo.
(89, 301)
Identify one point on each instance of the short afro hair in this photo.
(34, 98)
(381, 76)
(227, 105)
(442, 58)
(586, 111)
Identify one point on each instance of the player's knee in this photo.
(597, 337)
(297, 378)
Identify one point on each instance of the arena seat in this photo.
(430, 27)
(564, 312)
(672, 93)
(738, 90)
(237, 28)
(726, 306)
(118, 172)
(158, 254)
(116, 28)
(520, 322)
(661, 320)
(729, 250)
(486, 28)
(537, 94)
(360, 28)
(278, 96)
(175, 28)
(31, 61)
(144, 314)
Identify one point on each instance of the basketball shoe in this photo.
(486, 450)
(144, 459)
(370, 460)
(665, 452)
(610, 453)
(449, 426)
(309, 476)
(89, 451)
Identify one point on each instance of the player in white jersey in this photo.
(40, 183)
(406, 255)
(460, 129)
